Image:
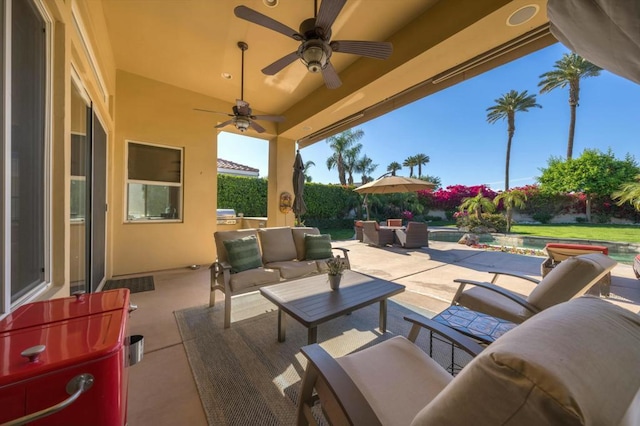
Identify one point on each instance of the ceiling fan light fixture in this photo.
(242, 123)
(314, 55)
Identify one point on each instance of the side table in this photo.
(476, 325)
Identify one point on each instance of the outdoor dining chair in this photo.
(374, 235)
(415, 236)
(571, 278)
(570, 365)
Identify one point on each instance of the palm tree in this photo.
(411, 163)
(351, 160)
(568, 71)
(477, 205)
(506, 107)
(307, 176)
(510, 200)
(366, 167)
(629, 192)
(394, 167)
(421, 159)
(340, 144)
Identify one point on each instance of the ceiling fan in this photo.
(242, 117)
(315, 34)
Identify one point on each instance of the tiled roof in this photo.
(230, 165)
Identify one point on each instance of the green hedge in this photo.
(249, 196)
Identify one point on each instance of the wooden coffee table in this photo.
(311, 302)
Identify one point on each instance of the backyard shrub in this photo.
(329, 201)
(580, 219)
(244, 194)
(542, 217)
(490, 222)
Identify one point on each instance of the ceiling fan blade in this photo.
(276, 118)
(213, 112)
(329, 11)
(258, 128)
(278, 65)
(226, 123)
(251, 15)
(371, 49)
(330, 76)
(242, 107)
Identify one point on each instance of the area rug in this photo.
(246, 377)
(135, 285)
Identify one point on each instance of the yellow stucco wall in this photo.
(281, 156)
(153, 112)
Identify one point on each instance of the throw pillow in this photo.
(243, 253)
(317, 246)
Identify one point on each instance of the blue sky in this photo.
(451, 128)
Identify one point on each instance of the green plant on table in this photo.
(336, 265)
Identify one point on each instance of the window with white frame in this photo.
(154, 182)
(25, 143)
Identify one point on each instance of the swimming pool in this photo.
(621, 252)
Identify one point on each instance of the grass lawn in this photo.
(582, 231)
(339, 234)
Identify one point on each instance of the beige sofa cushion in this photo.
(298, 239)
(294, 269)
(401, 362)
(277, 244)
(221, 236)
(573, 364)
(252, 278)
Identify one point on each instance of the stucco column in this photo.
(281, 156)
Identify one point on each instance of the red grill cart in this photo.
(71, 354)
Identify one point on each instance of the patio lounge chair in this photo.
(559, 252)
(373, 235)
(571, 278)
(571, 365)
(415, 236)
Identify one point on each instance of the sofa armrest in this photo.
(465, 343)
(345, 252)
(501, 291)
(220, 280)
(322, 367)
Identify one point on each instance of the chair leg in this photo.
(227, 311)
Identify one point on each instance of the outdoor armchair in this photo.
(570, 365)
(571, 278)
(415, 236)
(374, 235)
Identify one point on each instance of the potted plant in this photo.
(336, 267)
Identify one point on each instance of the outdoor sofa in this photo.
(251, 258)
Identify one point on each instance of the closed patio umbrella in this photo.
(299, 207)
(391, 185)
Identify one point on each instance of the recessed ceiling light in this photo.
(270, 3)
(226, 76)
(522, 15)
(306, 128)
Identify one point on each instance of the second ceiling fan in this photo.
(242, 114)
(316, 47)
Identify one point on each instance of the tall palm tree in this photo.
(506, 107)
(394, 167)
(421, 159)
(511, 199)
(568, 71)
(307, 176)
(340, 144)
(477, 205)
(351, 158)
(410, 162)
(366, 167)
(629, 192)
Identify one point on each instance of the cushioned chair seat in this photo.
(253, 277)
(294, 269)
(397, 361)
(478, 299)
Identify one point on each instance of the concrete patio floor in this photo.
(161, 387)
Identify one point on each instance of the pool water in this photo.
(622, 253)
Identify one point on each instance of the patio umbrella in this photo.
(299, 207)
(605, 32)
(391, 185)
